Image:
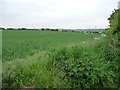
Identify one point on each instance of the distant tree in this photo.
(10, 28)
(42, 29)
(52, 29)
(2, 28)
(47, 29)
(19, 29)
(24, 29)
(56, 29)
(73, 31)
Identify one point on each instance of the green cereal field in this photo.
(52, 59)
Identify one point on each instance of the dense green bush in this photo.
(114, 29)
(83, 68)
(113, 35)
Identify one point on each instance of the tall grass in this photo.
(30, 73)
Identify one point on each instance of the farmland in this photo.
(57, 59)
(18, 44)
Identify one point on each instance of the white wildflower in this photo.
(103, 35)
(96, 38)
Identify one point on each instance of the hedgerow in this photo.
(82, 68)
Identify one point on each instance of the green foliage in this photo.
(114, 30)
(31, 72)
(84, 69)
(114, 37)
(58, 59)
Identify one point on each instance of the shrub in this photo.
(114, 29)
(83, 69)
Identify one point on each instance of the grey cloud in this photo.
(56, 13)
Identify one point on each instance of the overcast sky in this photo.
(56, 13)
